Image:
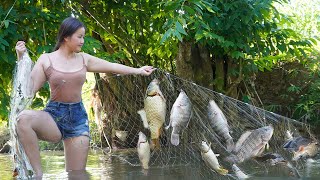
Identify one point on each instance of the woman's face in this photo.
(76, 40)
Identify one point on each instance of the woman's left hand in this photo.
(146, 70)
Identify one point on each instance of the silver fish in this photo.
(220, 124)
(179, 116)
(253, 145)
(240, 174)
(210, 159)
(240, 141)
(143, 149)
(155, 110)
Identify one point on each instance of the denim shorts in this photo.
(71, 118)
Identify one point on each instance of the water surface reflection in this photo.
(105, 167)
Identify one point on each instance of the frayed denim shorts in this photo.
(71, 118)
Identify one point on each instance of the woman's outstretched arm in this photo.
(98, 65)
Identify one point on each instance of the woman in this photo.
(64, 116)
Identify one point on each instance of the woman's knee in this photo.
(24, 121)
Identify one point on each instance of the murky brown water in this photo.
(102, 166)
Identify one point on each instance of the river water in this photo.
(105, 166)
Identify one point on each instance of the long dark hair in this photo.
(67, 28)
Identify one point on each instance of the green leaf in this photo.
(180, 28)
(6, 23)
(166, 35)
(178, 35)
(4, 42)
(189, 10)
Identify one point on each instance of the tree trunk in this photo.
(220, 74)
(193, 63)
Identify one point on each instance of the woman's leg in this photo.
(76, 152)
(31, 126)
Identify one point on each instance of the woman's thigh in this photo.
(42, 123)
(76, 152)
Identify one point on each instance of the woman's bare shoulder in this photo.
(44, 60)
(85, 56)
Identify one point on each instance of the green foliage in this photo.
(133, 29)
(236, 29)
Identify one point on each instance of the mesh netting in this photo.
(21, 98)
(124, 96)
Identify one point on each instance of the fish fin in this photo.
(144, 119)
(222, 171)
(240, 141)
(175, 140)
(161, 95)
(15, 172)
(169, 125)
(230, 145)
(155, 144)
(145, 165)
(267, 146)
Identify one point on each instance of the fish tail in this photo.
(232, 159)
(15, 172)
(230, 145)
(175, 139)
(155, 144)
(222, 171)
(145, 165)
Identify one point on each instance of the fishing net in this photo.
(124, 96)
(21, 98)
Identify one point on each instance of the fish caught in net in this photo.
(185, 124)
(21, 98)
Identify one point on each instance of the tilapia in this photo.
(210, 159)
(143, 149)
(253, 145)
(179, 116)
(155, 109)
(240, 141)
(220, 124)
(240, 174)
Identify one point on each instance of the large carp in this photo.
(219, 123)
(155, 110)
(251, 144)
(210, 159)
(143, 149)
(179, 116)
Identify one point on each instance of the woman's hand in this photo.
(146, 70)
(20, 49)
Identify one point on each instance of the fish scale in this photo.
(219, 123)
(180, 116)
(155, 108)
